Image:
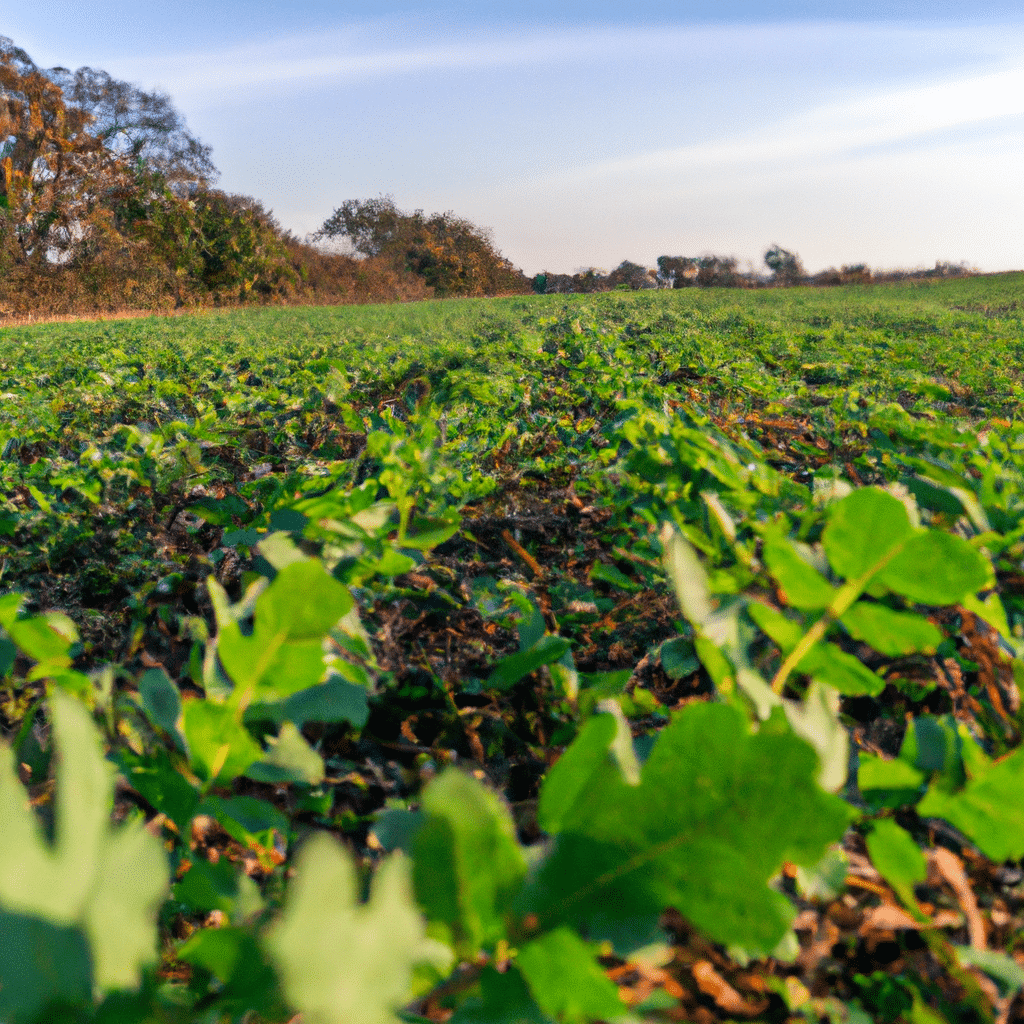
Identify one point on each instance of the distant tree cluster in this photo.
(785, 269)
(450, 254)
(107, 201)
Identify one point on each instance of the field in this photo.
(673, 638)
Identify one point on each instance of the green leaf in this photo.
(897, 858)
(862, 529)
(41, 963)
(503, 999)
(468, 866)
(688, 578)
(44, 638)
(430, 531)
(717, 811)
(510, 670)
(222, 886)
(290, 759)
(678, 658)
(159, 783)
(161, 701)
(604, 744)
(108, 883)
(304, 602)
(247, 819)
(890, 632)
(614, 575)
(340, 961)
(220, 747)
(879, 773)
(826, 663)
(1007, 973)
(804, 586)
(333, 701)
(234, 958)
(284, 653)
(565, 979)
(816, 719)
(988, 810)
(936, 568)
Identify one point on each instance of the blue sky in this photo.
(587, 133)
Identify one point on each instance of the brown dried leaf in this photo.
(712, 984)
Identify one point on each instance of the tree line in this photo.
(783, 269)
(108, 202)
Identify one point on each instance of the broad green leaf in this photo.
(10, 605)
(158, 781)
(41, 963)
(1007, 973)
(826, 879)
(468, 865)
(503, 999)
(898, 859)
(933, 744)
(936, 568)
(678, 658)
(284, 653)
(429, 531)
(43, 639)
(988, 810)
(565, 979)
(803, 585)
(816, 719)
(614, 575)
(289, 759)
(890, 632)
(222, 886)
(333, 701)
(219, 746)
(879, 773)
(510, 670)
(247, 819)
(826, 663)
(688, 578)
(717, 811)
(161, 701)
(604, 744)
(107, 883)
(341, 961)
(304, 602)
(863, 529)
(234, 958)
(574, 771)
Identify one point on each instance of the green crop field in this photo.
(642, 656)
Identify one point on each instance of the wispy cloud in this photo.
(858, 123)
(404, 47)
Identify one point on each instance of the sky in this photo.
(886, 132)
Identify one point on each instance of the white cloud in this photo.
(394, 48)
(872, 120)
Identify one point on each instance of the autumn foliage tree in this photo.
(452, 255)
(56, 175)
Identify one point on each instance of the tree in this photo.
(371, 226)
(143, 128)
(451, 254)
(631, 275)
(56, 173)
(785, 266)
(718, 272)
(679, 271)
